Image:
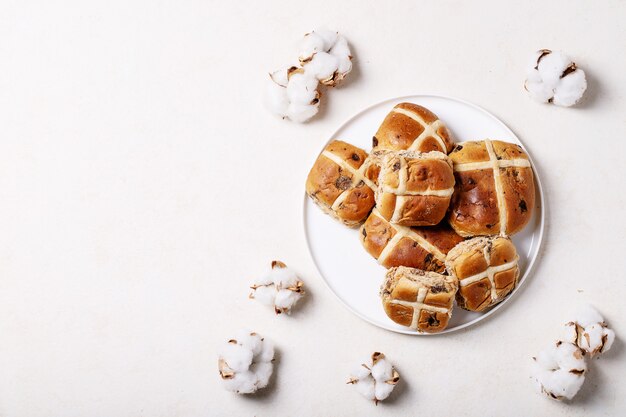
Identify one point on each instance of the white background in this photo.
(143, 186)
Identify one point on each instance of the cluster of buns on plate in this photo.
(437, 215)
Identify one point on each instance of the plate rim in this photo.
(532, 262)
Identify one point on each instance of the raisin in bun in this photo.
(338, 183)
(418, 247)
(414, 188)
(494, 191)
(487, 270)
(418, 299)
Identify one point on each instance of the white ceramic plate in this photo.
(350, 272)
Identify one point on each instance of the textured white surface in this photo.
(143, 186)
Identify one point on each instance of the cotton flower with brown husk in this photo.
(589, 332)
(559, 371)
(325, 54)
(245, 363)
(554, 78)
(293, 94)
(375, 378)
(281, 288)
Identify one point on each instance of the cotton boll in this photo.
(344, 56)
(340, 48)
(383, 390)
(267, 352)
(569, 333)
(593, 335)
(302, 89)
(247, 383)
(237, 357)
(608, 339)
(285, 299)
(276, 99)
(232, 383)
(553, 78)
(551, 66)
(361, 371)
(263, 372)
(537, 89)
(310, 45)
(570, 89)
(322, 66)
(559, 371)
(596, 339)
(265, 279)
(245, 363)
(251, 341)
(300, 113)
(293, 94)
(280, 77)
(367, 387)
(381, 371)
(329, 36)
(281, 288)
(344, 67)
(284, 277)
(315, 42)
(375, 378)
(265, 294)
(241, 383)
(329, 64)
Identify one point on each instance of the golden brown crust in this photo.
(399, 131)
(519, 186)
(351, 154)
(465, 152)
(386, 204)
(506, 150)
(372, 169)
(337, 184)
(494, 191)
(442, 236)
(419, 247)
(421, 210)
(418, 299)
(375, 234)
(474, 204)
(414, 188)
(487, 269)
(357, 204)
(407, 252)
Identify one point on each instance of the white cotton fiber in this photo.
(375, 378)
(329, 64)
(552, 77)
(293, 93)
(245, 363)
(559, 371)
(281, 288)
(589, 331)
